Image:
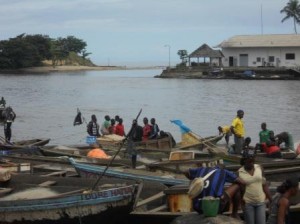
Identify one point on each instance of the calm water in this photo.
(46, 104)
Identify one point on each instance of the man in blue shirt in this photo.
(214, 186)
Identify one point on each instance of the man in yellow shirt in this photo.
(237, 128)
(225, 130)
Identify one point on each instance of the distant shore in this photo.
(71, 68)
(63, 68)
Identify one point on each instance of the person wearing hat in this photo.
(214, 179)
(238, 130)
(255, 189)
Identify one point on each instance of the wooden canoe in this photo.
(85, 170)
(25, 143)
(36, 199)
(81, 154)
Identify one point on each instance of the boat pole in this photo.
(111, 161)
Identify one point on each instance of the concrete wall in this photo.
(279, 55)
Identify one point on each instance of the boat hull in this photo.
(80, 205)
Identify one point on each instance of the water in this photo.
(46, 105)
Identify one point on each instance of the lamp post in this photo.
(167, 45)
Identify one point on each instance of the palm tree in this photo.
(292, 10)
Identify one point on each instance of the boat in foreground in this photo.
(36, 199)
(86, 170)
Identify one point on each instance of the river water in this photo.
(46, 104)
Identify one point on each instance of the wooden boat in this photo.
(85, 170)
(36, 199)
(24, 143)
(274, 169)
(114, 142)
(176, 203)
(80, 153)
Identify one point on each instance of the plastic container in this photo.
(91, 139)
(210, 206)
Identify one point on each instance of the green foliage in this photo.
(30, 50)
(292, 11)
(183, 54)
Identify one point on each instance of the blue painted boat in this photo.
(69, 200)
(88, 171)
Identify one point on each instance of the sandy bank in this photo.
(63, 68)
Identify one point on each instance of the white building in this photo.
(278, 50)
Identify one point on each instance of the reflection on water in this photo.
(46, 104)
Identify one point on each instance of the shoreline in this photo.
(62, 68)
(70, 68)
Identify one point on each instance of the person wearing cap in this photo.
(238, 130)
(255, 189)
(225, 130)
(214, 186)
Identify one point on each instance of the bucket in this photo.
(210, 206)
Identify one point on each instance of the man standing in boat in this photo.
(2, 102)
(93, 127)
(9, 118)
(135, 135)
(238, 130)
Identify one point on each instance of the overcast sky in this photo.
(136, 32)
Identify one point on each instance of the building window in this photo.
(258, 59)
(290, 56)
(271, 58)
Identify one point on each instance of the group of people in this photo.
(268, 141)
(136, 134)
(248, 190)
(108, 126)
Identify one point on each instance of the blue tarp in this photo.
(183, 128)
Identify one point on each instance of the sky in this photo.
(142, 32)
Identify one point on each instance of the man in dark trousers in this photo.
(135, 135)
(9, 118)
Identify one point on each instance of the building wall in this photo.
(260, 56)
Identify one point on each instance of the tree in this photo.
(183, 54)
(292, 11)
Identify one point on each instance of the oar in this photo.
(4, 141)
(111, 161)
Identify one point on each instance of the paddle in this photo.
(111, 161)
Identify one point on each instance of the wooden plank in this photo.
(5, 190)
(57, 173)
(47, 183)
(162, 207)
(152, 198)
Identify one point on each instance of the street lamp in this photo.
(167, 45)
